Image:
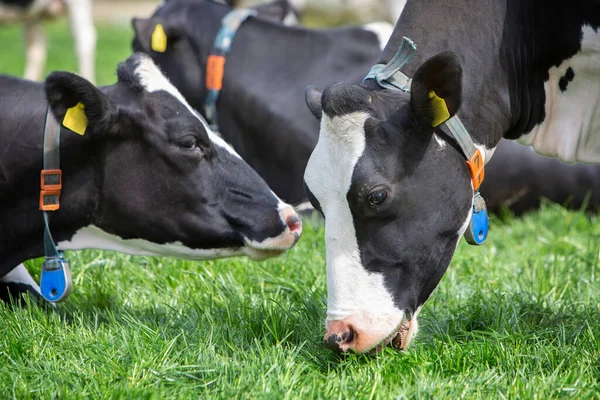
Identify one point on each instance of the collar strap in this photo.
(389, 76)
(215, 64)
(55, 278)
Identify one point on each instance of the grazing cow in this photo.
(141, 174)
(33, 12)
(389, 171)
(266, 71)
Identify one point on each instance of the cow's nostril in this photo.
(294, 224)
(336, 340)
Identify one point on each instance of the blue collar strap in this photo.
(215, 64)
(389, 76)
(55, 279)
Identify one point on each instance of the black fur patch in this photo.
(14, 291)
(126, 72)
(341, 98)
(17, 3)
(564, 81)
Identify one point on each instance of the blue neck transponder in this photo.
(389, 76)
(55, 280)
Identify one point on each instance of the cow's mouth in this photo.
(400, 338)
(403, 337)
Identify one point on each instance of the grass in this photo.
(516, 318)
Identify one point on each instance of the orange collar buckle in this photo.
(50, 187)
(476, 169)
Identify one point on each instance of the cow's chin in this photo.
(399, 338)
(261, 254)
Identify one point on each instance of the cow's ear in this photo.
(153, 34)
(275, 11)
(313, 101)
(436, 90)
(77, 104)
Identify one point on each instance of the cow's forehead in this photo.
(152, 80)
(341, 144)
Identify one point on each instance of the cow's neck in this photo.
(475, 31)
(21, 222)
(509, 50)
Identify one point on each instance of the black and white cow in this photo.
(395, 192)
(32, 14)
(261, 108)
(148, 177)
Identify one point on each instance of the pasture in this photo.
(518, 317)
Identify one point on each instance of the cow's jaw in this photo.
(356, 297)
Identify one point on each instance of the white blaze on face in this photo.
(571, 128)
(153, 80)
(353, 293)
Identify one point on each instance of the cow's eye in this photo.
(189, 142)
(377, 197)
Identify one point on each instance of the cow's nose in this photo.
(292, 221)
(294, 224)
(338, 336)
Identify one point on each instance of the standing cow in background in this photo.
(32, 14)
(396, 175)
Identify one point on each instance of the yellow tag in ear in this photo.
(75, 119)
(440, 110)
(159, 39)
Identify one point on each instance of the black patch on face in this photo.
(564, 80)
(341, 99)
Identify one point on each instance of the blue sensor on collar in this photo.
(477, 230)
(55, 280)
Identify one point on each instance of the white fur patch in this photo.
(352, 290)
(571, 129)
(92, 237)
(383, 30)
(19, 274)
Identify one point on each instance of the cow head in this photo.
(161, 183)
(396, 196)
(188, 42)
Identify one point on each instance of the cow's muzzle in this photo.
(274, 246)
(344, 335)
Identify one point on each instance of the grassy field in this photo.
(516, 318)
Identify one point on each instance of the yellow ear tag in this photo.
(159, 39)
(440, 110)
(75, 119)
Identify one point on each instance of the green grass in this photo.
(516, 318)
